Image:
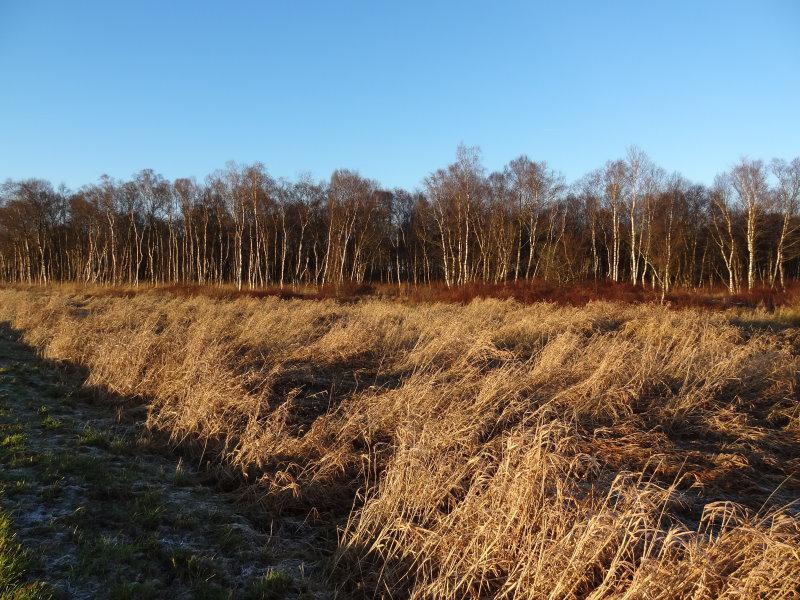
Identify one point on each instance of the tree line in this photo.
(626, 221)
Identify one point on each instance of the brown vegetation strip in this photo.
(492, 449)
(523, 292)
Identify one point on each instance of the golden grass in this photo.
(486, 450)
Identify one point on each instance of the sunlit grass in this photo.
(487, 450)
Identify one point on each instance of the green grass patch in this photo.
(228, 537)
(14, 562)
(14, 442)
(88, 468)
(274, 585)
(12, 449)
(93, 437)
(148, 508)
(103, 554)
(193, 569)
(96, 438)
(50, 422)
(181, 477)
(14, 487)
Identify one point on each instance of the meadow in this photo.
(483, 449)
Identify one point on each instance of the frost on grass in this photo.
(92, 509)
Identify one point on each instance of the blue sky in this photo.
(391, 88)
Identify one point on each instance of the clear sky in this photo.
(391, 88)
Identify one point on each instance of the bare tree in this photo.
(749, 181)
(787, 201)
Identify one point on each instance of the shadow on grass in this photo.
(321, 505)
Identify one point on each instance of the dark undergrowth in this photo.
(524, 292)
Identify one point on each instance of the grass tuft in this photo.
(273, 585)
(14, 563)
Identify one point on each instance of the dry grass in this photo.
(487, 450)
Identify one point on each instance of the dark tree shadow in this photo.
(323, 505)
